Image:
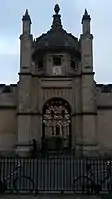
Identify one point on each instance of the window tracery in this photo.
(56, 118)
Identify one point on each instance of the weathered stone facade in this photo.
(52, 67)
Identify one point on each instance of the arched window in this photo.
(57, 119)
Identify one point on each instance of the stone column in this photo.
(24, 87)
(89, 111)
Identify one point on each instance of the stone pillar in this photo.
(24, 87)
(89, 128)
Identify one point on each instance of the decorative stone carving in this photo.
(57, 92)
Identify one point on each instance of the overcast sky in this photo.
(41, 12)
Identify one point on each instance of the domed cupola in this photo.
(56, 39)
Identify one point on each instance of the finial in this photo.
(85, 13)
(56, 25)
(57, 9)
(86, 16)
(26, 16)
(26, 12)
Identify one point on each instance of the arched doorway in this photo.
(57, 122)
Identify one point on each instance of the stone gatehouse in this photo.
(56, 95)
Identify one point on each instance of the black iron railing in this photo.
(55, 174)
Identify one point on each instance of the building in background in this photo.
(56, 101)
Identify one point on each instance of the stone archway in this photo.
(56, 121)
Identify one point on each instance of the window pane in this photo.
(57, 61)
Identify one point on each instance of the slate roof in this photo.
(56, 37)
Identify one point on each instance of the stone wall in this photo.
(104, 96)
(8, 117)
(8, 96)
(8, 129)
(69, 90)
(104, 130)
(104, 117)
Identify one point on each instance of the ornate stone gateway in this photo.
(57, 121)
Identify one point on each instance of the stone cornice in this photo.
(8, 107)
(86, 36)
(28, 113)
(84, 113)
(57, 76)
(103, 107)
